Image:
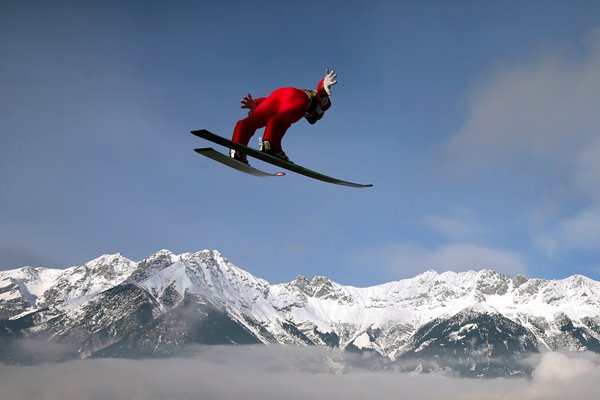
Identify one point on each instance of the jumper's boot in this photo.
(265, 147)
(236, 155)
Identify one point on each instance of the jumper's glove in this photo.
(248, 102)
(329, 81)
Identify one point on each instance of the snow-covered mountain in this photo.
(477, 323)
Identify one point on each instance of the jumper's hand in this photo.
(248, 102)
(329, 81)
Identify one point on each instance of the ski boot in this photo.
(236, 155)
(265, 147)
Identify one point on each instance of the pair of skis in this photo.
(240, 166)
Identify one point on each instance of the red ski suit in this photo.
(277, 112)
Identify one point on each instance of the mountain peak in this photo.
(429, 274)
(109, 260)
(161, 254)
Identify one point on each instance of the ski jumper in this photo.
(277, 112)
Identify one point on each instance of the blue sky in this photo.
(477, 122)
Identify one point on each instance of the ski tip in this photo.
(201, 132)
(280, 173)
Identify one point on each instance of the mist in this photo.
(282, 372)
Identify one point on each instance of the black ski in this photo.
(235, 164)
(203, 133)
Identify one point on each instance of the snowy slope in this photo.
(30, 288)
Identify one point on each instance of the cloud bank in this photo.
(275, 372)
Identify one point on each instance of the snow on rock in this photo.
(62, 288)
(315, 310)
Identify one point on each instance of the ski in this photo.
(204, 134)
(235, 164)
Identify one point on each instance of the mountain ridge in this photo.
(167, 301)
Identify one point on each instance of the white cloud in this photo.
(538, 121)
(275, 372)
(587, 173)
(460, 225)
(564, 376)
(582, 230)
(409, 259)
(545, 110)
(547, 244)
